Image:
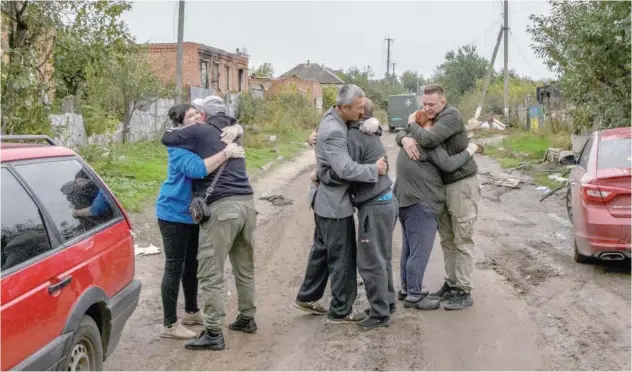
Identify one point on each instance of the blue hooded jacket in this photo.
(173, 201)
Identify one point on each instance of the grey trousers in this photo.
(376, 222)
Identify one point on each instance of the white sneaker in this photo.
(193, 319)
(353, 317)
(177, 331)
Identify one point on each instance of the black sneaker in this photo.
(207, 341)
(443, 294)
(391, 307)
(371, 323)
(460, 300)
(401, 295)
(425, 303)
(243, 324)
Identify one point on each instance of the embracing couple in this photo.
(205, 160)
(351, 172)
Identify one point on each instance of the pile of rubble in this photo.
(491, 123)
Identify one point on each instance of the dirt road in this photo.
(534, 308)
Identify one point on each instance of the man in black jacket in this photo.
(456, 225)
(230, 230)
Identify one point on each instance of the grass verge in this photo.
(134, 172)
(529, 147)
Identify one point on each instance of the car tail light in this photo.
(598, 194)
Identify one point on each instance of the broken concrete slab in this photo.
(512, 183)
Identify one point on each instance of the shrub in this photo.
(98, 121)
(280, 114)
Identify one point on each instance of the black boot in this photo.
(391, 307)
(460, 300)
(207, 341)
(244, 324)
(370, 323)
(443, 294)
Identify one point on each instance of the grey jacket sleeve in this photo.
(337, 155)
(449, 125)
(328, 176)
(440, 158)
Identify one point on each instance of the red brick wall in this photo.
(162, 58)
(310, 89)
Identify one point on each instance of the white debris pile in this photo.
(491, 123)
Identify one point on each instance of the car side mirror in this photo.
(568, 158)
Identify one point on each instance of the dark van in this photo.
(400, 106)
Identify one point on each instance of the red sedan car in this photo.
(599, 197)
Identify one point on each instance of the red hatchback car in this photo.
(598, 198)
(67, 260)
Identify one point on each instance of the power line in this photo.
(524, 56)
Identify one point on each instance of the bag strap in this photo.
(209, 190)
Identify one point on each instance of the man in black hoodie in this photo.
(229, 231)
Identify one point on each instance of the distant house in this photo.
(261, 87)
(312, 90)
(314, 72)
(205, 68)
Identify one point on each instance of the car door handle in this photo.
(58, 286)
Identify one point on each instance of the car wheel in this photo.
(569, 204)
(86, 352)
(580, 258)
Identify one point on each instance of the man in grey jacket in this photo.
(456, 224)
(333, 253)
(377, 215)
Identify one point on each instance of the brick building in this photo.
(203, 67)
(312, 90)
(314, 72)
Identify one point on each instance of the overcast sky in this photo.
(345, 34)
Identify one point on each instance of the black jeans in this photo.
(180, 241)
(333, 254)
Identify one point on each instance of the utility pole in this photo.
(388, 56)
(489, 74)
(506, 17)
(394, 77)
(180, 52)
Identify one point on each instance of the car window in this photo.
(76, 202)
(24, 235)
(614, 154)
(583, 160)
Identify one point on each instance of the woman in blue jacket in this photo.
(179, 232)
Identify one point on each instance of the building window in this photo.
(204, 73)
(215, 75)
(227, 78)
(240, 78)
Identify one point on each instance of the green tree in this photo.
(587, 44)
(123, 84)
(376, 90)
(329, 97)
(460, 71)
(411, 81)
(90, 40)
(264, 71)
(34, 29)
